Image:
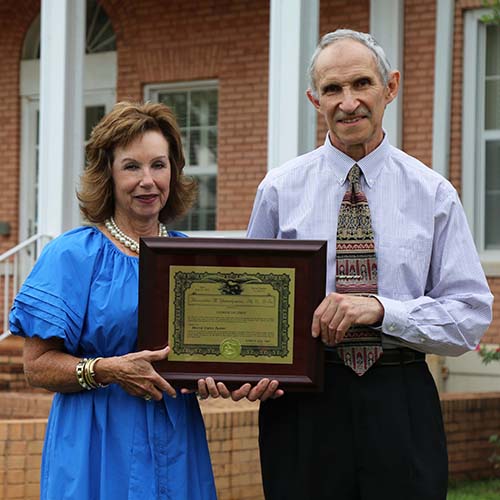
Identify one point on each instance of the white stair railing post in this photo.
(14, 272)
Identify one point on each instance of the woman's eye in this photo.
(159, 165)
(131, 166)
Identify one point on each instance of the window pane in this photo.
(92, 116)
(213, 108)
(203, 108)
(194, 148)
(202, 215)
(100, 35)
(212, 145)
(178, 102)
(199, 109)
(492, 105)
(492, 51)
(492, 207)
(196, 112)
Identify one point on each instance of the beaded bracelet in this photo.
(80, 369)
(85, 373)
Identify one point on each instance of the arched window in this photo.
(100, 36)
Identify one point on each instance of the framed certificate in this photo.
(235, 309)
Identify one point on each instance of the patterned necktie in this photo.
(357, 272)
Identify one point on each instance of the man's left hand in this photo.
(338, 312)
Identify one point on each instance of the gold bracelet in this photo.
(80, 374)
(91, 374)
(85, 374)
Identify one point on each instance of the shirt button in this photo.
(392, 327)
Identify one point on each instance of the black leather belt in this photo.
(389, 357)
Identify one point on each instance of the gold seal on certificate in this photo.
(226, 314)
(230, 348)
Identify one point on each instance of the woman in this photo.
(117, 429)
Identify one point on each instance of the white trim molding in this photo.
(61, 111)
(387, 26)
(443, 63)
(474, 136)
(291, 118)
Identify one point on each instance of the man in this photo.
(376, 432)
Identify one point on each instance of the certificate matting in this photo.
(231, 314)
(220, 278)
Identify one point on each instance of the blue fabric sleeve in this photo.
(177, 234)
(52, 301)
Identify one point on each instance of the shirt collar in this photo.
(370, 165)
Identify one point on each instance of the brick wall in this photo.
(470, 418)
(418, 78)
(15, 18)
(11, 369)
(229, 42)
(21, 443)
(337, 14)
(232, 433)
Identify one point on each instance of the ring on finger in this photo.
(148, 397)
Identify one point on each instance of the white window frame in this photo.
(151, 93)
(474, 135)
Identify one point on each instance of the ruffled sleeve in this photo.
(53, 300)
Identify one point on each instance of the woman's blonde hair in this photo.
(126, 122)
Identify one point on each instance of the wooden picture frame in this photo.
(189, 286)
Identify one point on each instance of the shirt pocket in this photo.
(403, 267)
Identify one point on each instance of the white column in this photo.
(442, 86)
(61, 112)
(387, 26)
(291, 117)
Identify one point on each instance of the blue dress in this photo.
(105, 444)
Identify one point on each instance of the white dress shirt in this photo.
(430, 281)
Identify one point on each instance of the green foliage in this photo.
(475, 490)
(494, 17)
(495, 457)
(488, 354)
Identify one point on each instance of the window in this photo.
(481, 135)
(491, 141)
(99, 37)
(196, 108)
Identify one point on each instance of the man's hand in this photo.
(338, 312)
(264, 389)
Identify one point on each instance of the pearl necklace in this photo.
(125, 240)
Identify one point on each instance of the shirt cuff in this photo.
(396, 318)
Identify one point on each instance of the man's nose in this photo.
(349, 102)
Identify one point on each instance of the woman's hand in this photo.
(134, 372)
(265, 389)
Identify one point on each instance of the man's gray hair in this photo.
(383, 65)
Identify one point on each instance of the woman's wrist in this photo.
(103, 371)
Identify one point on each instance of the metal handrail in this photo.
(12, 279)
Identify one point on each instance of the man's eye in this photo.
(362, 82)
(331, 89)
